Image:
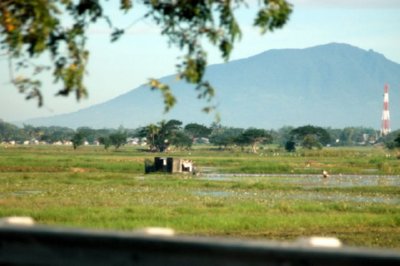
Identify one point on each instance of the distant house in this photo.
(201, 140)
(67, 143)
(133, 141)
(34, 142)
(143, 142)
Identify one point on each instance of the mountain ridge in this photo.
(334, 85)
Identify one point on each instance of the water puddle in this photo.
(217, 194)
(306, 181)
(27, 192)
(344, 198)
(307, 196)
(343, 181)
(310, 180)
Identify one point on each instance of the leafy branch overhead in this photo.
(29, 29)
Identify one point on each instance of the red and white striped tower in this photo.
(385, 129)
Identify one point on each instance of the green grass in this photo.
(93, 188)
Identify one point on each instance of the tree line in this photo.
(163, 135)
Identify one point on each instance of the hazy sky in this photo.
(117, 68)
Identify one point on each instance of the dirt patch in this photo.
(79, 170)
(122, 160)
(30, 169)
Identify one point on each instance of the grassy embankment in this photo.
(94, 188)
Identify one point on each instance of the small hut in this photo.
(169, 165)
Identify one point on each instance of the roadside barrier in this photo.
(39, 245)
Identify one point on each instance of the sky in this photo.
(142, 53)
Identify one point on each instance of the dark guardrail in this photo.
(36, 245)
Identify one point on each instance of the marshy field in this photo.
(272, 195)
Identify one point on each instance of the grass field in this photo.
(270, 195)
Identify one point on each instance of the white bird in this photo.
(325, 174)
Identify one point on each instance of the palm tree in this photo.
(151, 135)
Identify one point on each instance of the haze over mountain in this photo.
(332, 85)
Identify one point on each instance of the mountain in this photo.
(334, 85)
